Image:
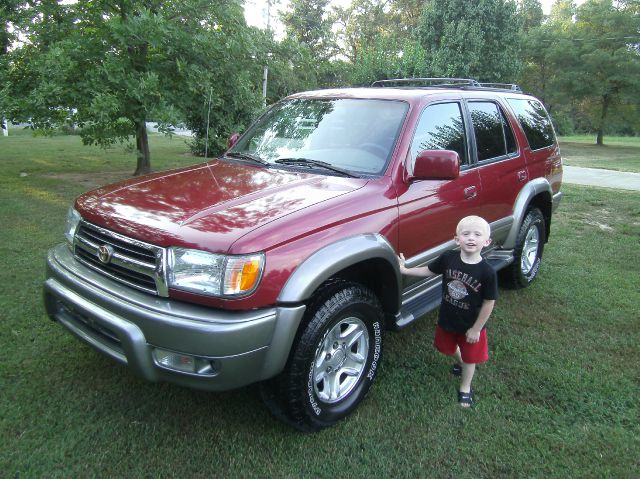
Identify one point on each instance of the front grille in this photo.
(132, 262)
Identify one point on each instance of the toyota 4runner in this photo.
(277, 262)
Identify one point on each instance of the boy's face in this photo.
(472, 236)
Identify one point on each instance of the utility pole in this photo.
(265, 71)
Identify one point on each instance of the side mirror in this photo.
(233, 139)
(436, 165)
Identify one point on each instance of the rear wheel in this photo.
(334, 360)
(528, 251)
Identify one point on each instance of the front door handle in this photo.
(470, 192)
(522, 175)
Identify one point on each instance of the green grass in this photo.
(558, 399)
(618, 153)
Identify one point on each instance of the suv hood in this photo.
(207, 206)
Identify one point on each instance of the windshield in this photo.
(351, 135)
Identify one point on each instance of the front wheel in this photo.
(528, 251)
(334, 360)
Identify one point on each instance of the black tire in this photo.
(334, 359)
(528, 251)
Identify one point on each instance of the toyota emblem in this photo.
(105, 252)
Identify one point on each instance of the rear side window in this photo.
(535, 122)
(494, 137)
(440, 128)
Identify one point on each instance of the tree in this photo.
(109, 66)
(291, 66)
(478, 39)
(309, 22)
(545, 46)
(366, 24)
(607, 37)
(386, 59)
(562, 12)
(8, 12)
(584, 63)
(360, 25)
(531, 14)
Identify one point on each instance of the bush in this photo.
(563, 123)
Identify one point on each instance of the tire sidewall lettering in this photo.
(529, 277)
(377, 337)
(312, 398)
(534, 271)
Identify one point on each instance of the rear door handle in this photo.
(522, 175)
(470, 192)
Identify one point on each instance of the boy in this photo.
(469, 291)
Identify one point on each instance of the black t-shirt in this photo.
(464, 288)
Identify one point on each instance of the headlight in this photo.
(214, 274)
(73, 220)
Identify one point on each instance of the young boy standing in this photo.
(469, 291)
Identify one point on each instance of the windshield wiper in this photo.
(247, 156)
(317, 163)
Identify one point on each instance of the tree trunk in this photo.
(606, 102)
(142, 149)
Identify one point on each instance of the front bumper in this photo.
(127, 325)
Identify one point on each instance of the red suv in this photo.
(276, 262)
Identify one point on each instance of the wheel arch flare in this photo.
(368, 259)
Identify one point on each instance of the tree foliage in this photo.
(386, 59)
(477, 39)
(310, 23)
(584, 63)
(609, 67)
(110, 66)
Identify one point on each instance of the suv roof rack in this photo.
(463, 83)
(427, 82)
(502, 86)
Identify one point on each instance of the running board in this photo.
(500, 258)
(420, 305)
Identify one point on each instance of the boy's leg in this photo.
(458, 356)
(465, 393)
(456, 369)
(468, 370)
(471, 354)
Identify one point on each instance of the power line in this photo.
(594, 39)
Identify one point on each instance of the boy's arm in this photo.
(473, 334)
(422, 271)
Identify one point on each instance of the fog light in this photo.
(184, 362)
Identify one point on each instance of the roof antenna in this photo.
(206, 144)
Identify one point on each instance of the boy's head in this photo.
(474, 221)
(473, 233)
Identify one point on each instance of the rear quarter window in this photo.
(534, 121)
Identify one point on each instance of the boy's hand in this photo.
(422, 271)
(473, 336)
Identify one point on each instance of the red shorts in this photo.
(472, 353)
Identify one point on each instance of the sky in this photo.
(255, 10)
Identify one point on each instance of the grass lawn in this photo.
(558, 399)
(618, 153)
